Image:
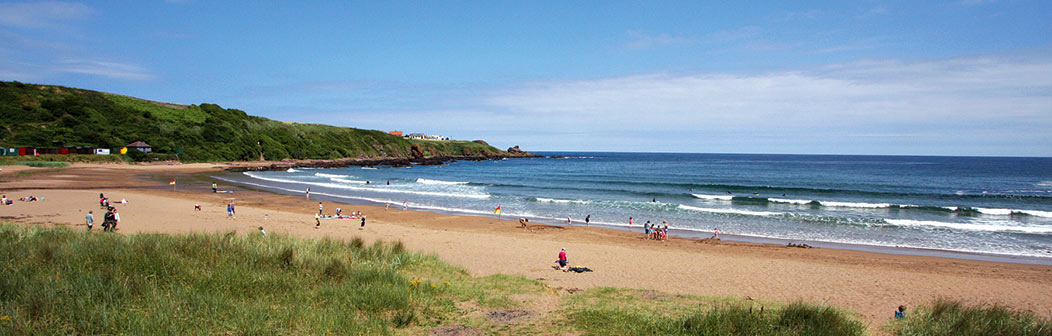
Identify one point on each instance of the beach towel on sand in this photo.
(580, 269)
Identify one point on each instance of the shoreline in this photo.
(701, 235)
(870, 284)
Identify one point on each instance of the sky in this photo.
(968, 77)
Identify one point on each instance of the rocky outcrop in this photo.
(514, 150)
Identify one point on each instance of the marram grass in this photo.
(59, 281)
(947, 317)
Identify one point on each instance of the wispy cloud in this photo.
(641, 39)
(103, 68)
(948, 98)
(42, 13)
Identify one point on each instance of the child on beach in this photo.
(264, 233)
(89, 219)
(230, 210)
(715, 233)
(317, 220)
(363, 224)
(197, 207)
(319, 208)
(901, 313)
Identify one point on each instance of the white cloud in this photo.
(948, 99)
(42, 13)
(103, 68)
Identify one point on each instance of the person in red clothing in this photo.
(562, 260)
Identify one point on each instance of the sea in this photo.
(972, 207)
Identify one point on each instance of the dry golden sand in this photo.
(871, 284)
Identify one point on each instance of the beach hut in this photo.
(27, 150)
(140, 146)
(10, 151)
(102, 151)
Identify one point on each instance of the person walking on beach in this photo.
(569, 220)
(319, 208)
(308, 193)
(363, 224)
(646, 229)
(715, 233)
(587, 219)
(215, 188)
(230, 210)
(89, 219)
(107, 221)
(405, 205)
(630, 224)
(562, 260)
(664, 231)
(116, 219)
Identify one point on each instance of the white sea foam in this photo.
(427, 181)
(368, 167)
(291, 170)
(1038, 213)
(1008, 212)
(731, 211)
(331, 175)
(854, 204)
(969, 226)
(789, 201)
(1045, 184)
(714, 197)
(562, 201)
(382, 190)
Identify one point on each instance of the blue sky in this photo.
(867, 77)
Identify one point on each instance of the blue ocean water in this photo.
(969, 204)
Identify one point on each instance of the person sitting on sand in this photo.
(338, 211)
(901, 313)
(197, 207)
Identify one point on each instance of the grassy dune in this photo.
(60, 281)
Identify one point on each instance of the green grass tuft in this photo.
(947, 317)
(60, 281)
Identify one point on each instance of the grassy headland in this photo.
(53, 116)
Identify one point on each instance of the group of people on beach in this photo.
(338, 215)
(109, 220)
(655, 232)
(30, 198)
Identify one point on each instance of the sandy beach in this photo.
(870, 284)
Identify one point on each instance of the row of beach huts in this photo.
(15, 151)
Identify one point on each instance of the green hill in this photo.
(54, 116)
